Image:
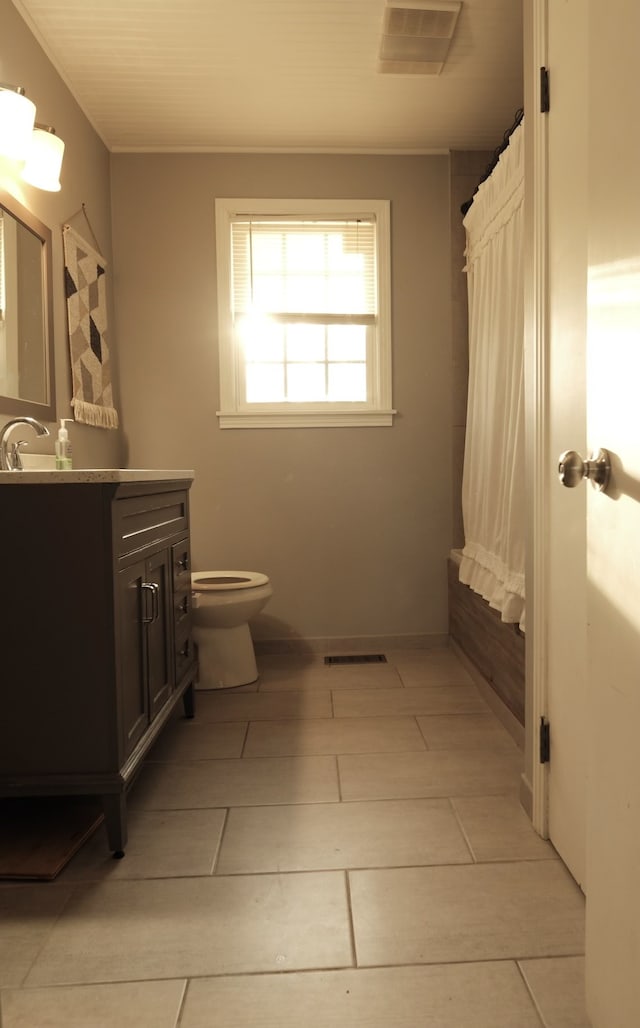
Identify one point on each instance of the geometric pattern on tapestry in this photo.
(85, 281)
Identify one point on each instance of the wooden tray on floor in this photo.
(40, 834)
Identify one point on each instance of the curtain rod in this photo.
(519, 115)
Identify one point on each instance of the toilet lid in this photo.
(221, 580)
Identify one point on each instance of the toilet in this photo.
(223, 604)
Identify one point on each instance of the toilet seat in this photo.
(223, 581)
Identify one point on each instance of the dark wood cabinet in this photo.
(95, 634)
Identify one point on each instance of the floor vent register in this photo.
(357, 658)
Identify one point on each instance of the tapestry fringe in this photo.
(92, 414)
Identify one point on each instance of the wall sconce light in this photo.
(24, 139)
(44, 159)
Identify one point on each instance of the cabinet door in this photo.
(159, 631)
(134, 699)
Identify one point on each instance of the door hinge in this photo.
(545, 742)
(545, 102)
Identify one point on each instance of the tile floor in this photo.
(332, 846)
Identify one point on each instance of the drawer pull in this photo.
(154, 589)
(183, 563)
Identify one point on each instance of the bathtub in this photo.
(495, 650)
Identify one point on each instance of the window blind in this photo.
(304, 269)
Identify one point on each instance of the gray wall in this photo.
(353, 526)
(85, 179)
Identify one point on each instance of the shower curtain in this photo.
(493, 477)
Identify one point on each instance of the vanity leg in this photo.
(114, 805)
(188, 701)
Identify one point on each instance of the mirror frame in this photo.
(13, 404)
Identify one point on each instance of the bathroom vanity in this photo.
(95, 630)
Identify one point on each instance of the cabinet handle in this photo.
(183, 606)
(154, 589)
(183, 563)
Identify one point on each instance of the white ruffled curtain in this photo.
(493, 479)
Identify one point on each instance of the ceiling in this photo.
(277, 75)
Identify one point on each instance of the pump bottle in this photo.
(63, 447)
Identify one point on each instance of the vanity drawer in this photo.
(182, 595)
(181, 562)
(181, 608)
(141, 521)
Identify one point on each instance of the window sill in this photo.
(306, 419)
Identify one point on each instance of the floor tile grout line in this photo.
(530, 991)
(183, 1000)
(352, 927)
(371, 868)
(348, 717)
(419, 727)
(244, 741)
(319, 869)
(267, 973)
(464, 831)
(327, 802)
(72, 887)
(311, 970)
(476, 749)
(343, 870)
(512, 958)
(280, 872)
(216, 857)
(338, 782)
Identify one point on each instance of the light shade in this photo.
(17, 116)
(44, 160)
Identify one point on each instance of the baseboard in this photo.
(350, 644)
(526, 796)
(491, 698)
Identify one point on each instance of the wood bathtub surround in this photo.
(497, 649)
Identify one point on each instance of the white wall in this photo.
(353, 526)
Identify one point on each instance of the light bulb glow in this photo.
(17, 116)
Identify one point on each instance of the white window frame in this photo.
(234, 411)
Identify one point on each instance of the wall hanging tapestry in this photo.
(86, 294)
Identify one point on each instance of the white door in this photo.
(613, 544)
(566, 125)
(592, 51)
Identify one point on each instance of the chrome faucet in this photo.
(10, 458)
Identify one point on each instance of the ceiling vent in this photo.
(416, 35)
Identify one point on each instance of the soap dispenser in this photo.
(63, 447)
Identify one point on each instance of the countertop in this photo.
(50, 477)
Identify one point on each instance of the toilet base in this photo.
(225, 657)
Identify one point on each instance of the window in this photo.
(304, 313)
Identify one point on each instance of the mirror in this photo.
(26, 313)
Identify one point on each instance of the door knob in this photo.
(572, 469)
